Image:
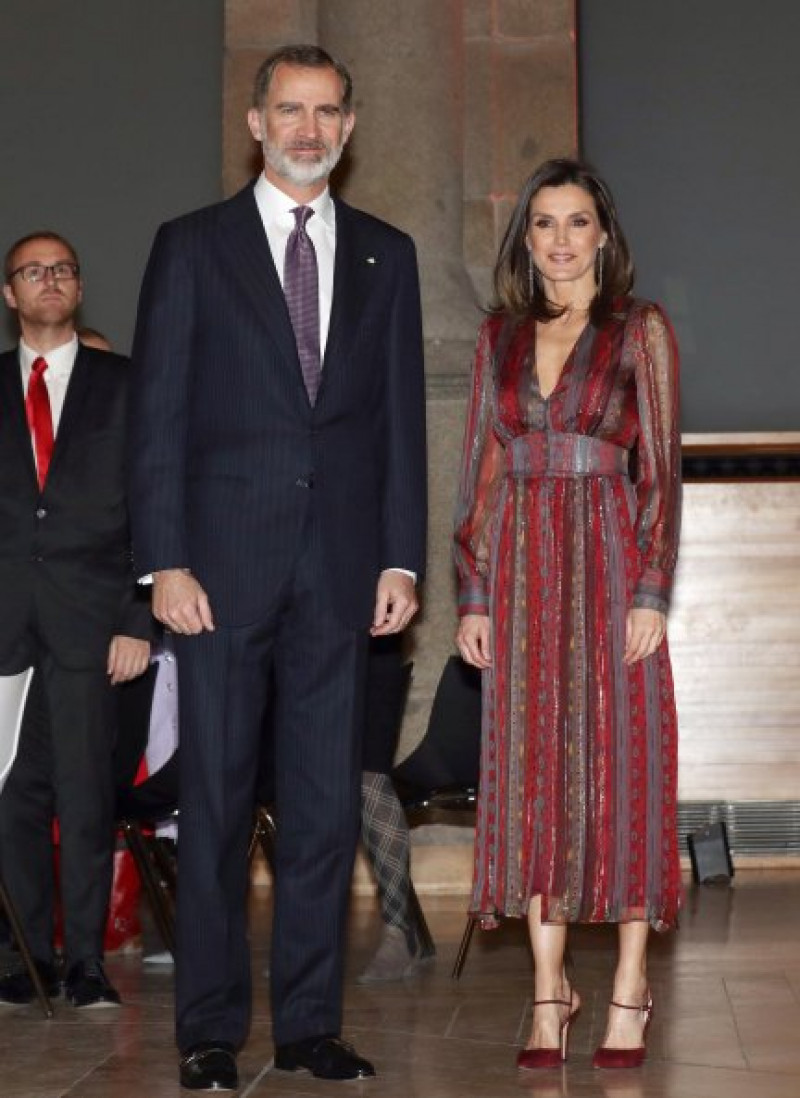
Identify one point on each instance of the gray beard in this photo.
(301, 173)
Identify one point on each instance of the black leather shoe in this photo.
(16, 988)
(325, 1057)
(87, 986)
(209, 1066)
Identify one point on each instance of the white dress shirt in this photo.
(275, 209)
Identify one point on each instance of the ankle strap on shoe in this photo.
(646, 1005)
(552, 1002)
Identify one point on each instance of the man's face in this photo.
(51, 302)
(303, 126)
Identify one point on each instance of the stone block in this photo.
(479, 122)
(241, 155)
(480, 238)
(267, 24)
(482, 281)
(477, 18)
(533, 18)
(535, 97)
(503, 208)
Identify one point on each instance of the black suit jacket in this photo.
(224, 442)
(66, 579)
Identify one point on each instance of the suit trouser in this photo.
(317, 666)
(63, 768)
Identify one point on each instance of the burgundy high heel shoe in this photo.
(533, 1058)
(626, 1057)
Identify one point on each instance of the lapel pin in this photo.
(370, 259)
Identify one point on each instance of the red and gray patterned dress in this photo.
(568, 516)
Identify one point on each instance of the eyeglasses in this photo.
(37, 272)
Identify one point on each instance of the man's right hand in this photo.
(180, 603)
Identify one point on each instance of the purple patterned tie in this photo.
(300, 285)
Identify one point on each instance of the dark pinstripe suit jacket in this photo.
(65, 565)
(223, 441)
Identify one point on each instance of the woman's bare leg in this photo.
(548, 941)
(625, 1027)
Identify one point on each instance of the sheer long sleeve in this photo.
(482, 463)
(658, 477)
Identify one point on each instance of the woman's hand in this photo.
(474, 638)
(644, 631)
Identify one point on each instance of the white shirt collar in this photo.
(274, 204)
(60, 360)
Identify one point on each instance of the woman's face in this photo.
(564, 233)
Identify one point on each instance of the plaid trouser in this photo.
(385, 833)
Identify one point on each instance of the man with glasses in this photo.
(70, 608)
(278, 496)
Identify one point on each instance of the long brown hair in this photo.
(511, 273)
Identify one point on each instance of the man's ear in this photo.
(254, 124)
(9, 296)
(349, 123)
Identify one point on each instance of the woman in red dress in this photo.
(566, 542)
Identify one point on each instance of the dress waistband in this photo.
(554, 453)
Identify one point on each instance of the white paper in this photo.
(13, 695)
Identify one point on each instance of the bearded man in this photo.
(277, 498)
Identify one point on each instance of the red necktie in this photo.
(40, 422)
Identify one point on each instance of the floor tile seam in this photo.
(429, 1036)
(453, 1019)
(82, 1078)
(250, 1088)
(735, 1022)
(526, 1006)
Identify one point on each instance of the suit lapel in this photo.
(355, 270)
(74, 399)
(245, 247)
(12, 399)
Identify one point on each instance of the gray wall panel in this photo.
(110, 123)
(690, 108)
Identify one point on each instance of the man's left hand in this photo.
(395, 603)
(127, 659)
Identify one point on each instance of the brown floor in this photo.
(727, 1015)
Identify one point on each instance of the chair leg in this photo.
(22, 945)
(417, 915)
(153, 885)
(463, 949)
(165, 864)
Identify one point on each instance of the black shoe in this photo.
(325, 1057)
(87, 986)
(16, 988)
(210, 1065)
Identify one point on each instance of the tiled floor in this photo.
(727, 1021)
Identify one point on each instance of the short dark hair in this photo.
(511, 277)
(44, 234)
(303, 57)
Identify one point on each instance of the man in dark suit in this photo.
(278, 496)
(70, 608)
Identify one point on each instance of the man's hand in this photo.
(180, 603)
(128, 658)
(644, 631)
(474, 640)
(395, 603)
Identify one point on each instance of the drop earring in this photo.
(599, 270)
(531, 285)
